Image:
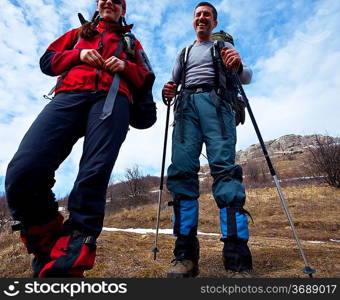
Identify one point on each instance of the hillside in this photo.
(291, 157)
(313, 205)
(315, 212)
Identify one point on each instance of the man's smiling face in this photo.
(204, 22)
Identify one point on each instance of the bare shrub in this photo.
(253, 171)
(4, 212)
(256, 173)
(324, 160)
(133, 190)
(135, 185)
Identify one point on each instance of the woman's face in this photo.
(110, 10)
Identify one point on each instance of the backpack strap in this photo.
(179, 93)
(227, 88)
(129, 44)
(219, 93)
(223, 76)
(220, 77)
(183, 61)
(111, 96)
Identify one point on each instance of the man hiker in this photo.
(203, 114)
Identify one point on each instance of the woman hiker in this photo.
(90, 61)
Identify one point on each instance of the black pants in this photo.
(30, 174)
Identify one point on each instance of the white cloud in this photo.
(146, 146)
(19, 79)
(301, 80)
(292, 47)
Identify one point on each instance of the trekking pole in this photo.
(307, 269)
(168, 103)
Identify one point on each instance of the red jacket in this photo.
(62, 58)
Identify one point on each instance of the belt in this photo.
(216, 100)
(198, 89)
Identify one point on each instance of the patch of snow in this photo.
(204, 173)
(315, 242)
(154, 191)
(334, 240)
(300, 178)
(146, 231)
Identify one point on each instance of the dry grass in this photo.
(129, 255)
(315, 211)
(15, 262)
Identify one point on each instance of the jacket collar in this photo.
(113, 26)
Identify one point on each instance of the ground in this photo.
(315, 211)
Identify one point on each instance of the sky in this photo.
(292, 46)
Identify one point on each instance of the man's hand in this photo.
(231, 58)
(91, 57)
(169, 90)
(114, 64)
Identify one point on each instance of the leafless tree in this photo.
(256, 173)
(324, 159)
(134, 182)
(264, 172)
(131, 190)
(253, 171)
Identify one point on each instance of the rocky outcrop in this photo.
(287, 144)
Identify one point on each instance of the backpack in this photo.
(143, 110)
(221, 71)
(222, 36)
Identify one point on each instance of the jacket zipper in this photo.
(100, 50)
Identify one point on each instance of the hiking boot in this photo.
(236, 255)
(183, 268)
(71, 255)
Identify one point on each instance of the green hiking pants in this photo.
(200, 118)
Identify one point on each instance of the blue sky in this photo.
(293, 48)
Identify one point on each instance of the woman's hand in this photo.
(114, 64)
(92, 58)
(231, 58)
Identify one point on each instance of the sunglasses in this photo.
(114, 1)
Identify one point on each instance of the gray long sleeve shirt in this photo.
(200, 68)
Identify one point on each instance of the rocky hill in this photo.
(287, 144)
